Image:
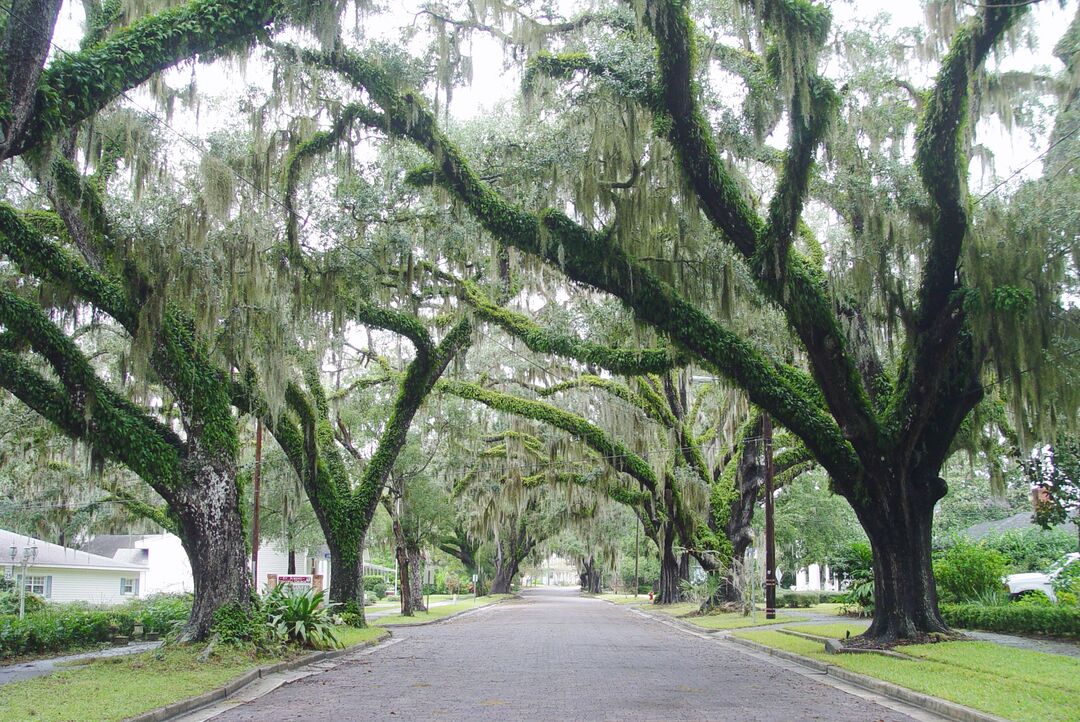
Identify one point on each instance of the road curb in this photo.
(944, 708)
(440, 620)
(192, 704)
(677, 622)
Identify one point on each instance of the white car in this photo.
(1020, 584)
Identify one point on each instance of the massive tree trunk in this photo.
(416, 577)
(590, 577)
(346, 572)
(674, 569)
(506, 569)
(211, 531)
(749, 478)
(905, 596)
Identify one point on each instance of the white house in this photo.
(59, 574)
(815, 578)
(167, 567)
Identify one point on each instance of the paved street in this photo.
(556, 656)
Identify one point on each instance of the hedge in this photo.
(61, 628)
(1060, 621)
(793, 599)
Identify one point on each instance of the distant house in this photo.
(162, 555)
(167, 569)
(60, 574)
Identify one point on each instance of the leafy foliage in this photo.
(967, 571)
(1018, 618)
(65, 627)
(300, 617)
(1032, 550)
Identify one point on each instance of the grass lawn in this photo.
(1012, 683)
(838, 630)
(738, 621)
(827, 608)
(119, 687)
(348, 636)
(438, 612)
(624, 598)
(675, 610)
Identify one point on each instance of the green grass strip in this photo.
(985, 676)
(434, 613)
(738, 621)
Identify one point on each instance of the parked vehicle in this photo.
(1029, 582)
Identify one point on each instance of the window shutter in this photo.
(136, 586)
(48, 587)
(122, 580)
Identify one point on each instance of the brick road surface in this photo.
(553, 655)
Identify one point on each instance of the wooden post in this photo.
(770, 531)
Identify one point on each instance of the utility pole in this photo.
(256, 476)
(770, 531)
(637, 579)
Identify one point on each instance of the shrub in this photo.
(9, 602)
(853, 563)
(300, 617)
(1067, 583)
(1032, 550)
(1019, 617)
(235, 625)
(375, 584)
(162, 613)
(61, 628)
(792, 600)
(859, 598)
(967, 571)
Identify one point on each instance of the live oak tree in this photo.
(880, 425)
(189, 461)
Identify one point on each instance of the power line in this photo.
(1024, 167)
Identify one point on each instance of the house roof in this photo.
(107, 545)
(54, 555)
(1016, 522)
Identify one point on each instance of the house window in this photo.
(129, 585)
(36, 585)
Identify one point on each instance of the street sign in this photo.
(296, 582)
(475, 578)
(429, 575)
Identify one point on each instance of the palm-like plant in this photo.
(301, 617)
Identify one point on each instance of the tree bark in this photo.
(590, 577)
(505, 571)
(673, 570)
(346, 572)
(25, 46)
(416, 577)
(905, 596)
(212, 534)
(404, 575)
